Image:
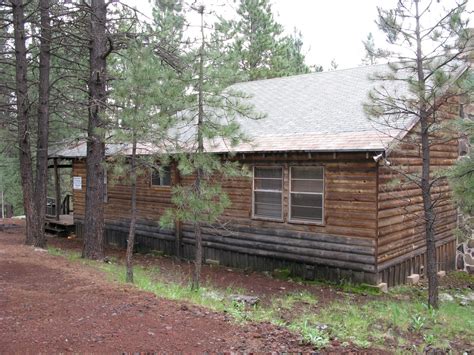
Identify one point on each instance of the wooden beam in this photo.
(57, 188)
(60, 166)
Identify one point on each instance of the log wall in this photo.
(343, 246)
(372, 229)
(401, 238)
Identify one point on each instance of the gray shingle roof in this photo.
(314, 112)
(326, 102)
(309, 112)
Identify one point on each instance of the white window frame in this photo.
(290, 188)
(158, 170)
(281, 167)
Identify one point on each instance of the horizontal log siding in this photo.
(397, 270)
(350, 196)
(341, 247)
(307, 255)
(151, 201)
(149, 235)
(401, 239)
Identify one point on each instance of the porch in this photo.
(59, 209)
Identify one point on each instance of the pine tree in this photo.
(138, 95)
(23, 113)
(212, 111)
(435, 47)
(96, 129)
(43, 115)
(292, 60)
(147, 94)
(258, 46)
(372, 53)
(462, 174)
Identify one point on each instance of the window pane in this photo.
(165, 178)
(273, 198)
(306, 200)
(268, 203)
(161, 177)
(264, 210)
(268, 184)
(307, 185)
(307, 213)
(267, 172)
(307, 172)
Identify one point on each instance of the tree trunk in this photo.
(23, 119)
(94, 213)
(196, 283)
(429, 215)
(131, 232)
(43, 124)
(200, 150)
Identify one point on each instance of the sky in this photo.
(331, 29)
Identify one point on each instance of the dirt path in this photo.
(48, 304)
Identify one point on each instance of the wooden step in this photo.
(57, 229)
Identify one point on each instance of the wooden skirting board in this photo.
(306, 255)
(310, 259)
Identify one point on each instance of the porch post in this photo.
(3, 207)
(57, 188)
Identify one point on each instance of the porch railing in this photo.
(65, 207)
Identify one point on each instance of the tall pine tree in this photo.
(210, 119)
(258, 47)
(427, 66)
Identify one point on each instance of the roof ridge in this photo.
(308, 74)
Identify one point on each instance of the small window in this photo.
(307, 193)
(267, 189)
(161, 176)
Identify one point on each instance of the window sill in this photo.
(311, 223)
(267, 219)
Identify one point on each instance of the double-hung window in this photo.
(267, 189)
(306, 193)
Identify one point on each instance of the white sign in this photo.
(77, 183)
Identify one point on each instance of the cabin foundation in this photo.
(229, 252)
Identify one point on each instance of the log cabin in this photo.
(323, 198)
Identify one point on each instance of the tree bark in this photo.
(94, 213)
(133, 221)
(429, 213)
(196, 282)
(200, 150)
(43, 124)
(23, 105)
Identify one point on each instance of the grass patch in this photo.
(55, 251)
(346, 286)
(370, 323)
(375, 322)
(313, 334)
(462, 276)
(68, 254)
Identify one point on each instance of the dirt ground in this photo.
(48, 304)
(252, 283)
